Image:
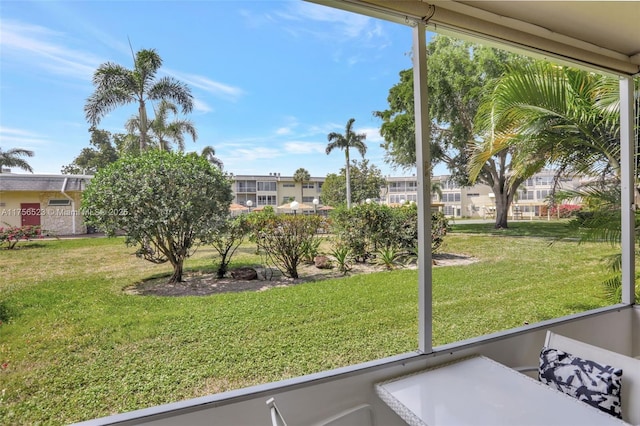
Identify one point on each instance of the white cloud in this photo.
(343, 25)
(373, 134)
(254, 153)
(201, 106)
(41, 47)
(19, 138)
(291, 122)
(216, 88)
(302, 147)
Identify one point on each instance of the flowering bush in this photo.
(565, 210)
(12, 234)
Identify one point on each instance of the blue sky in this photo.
(270, 78)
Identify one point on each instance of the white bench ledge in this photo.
(481, 391)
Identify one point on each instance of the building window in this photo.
(60, 202)
(246, 186)
(396, 187)
(527, 195)
(544, 180)
(288, 185)
(267, 200)
(542, 194)
(309, 185)
(451, 197)
(449, 184)
(267, 186)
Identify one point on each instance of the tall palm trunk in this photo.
(142, 111)
(348, 175)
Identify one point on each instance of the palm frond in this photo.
(12, 158)
(174, 90)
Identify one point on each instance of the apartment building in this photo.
(275, 190)
(478, 201)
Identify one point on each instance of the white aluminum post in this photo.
(423, 163)
(627, 165)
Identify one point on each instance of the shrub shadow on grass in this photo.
(581, 307)
(25, 246)
(5, 312)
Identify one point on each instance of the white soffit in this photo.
(604, 34)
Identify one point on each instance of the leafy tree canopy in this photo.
(105, 151)
(366, 181)
(460, 74)
(461, 77)
(166, 203)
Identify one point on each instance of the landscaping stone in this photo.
(322, 262)
(246, 274)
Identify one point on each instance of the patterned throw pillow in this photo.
(596, 384)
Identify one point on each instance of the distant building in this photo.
(53, 201)
(478, 201)
(49, 201)
(275, 190)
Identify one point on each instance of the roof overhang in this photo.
(599, 34)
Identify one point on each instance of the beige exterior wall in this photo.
(56, 219)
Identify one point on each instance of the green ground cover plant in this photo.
(74, 346)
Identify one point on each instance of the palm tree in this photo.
(346, 141)
(546, 114)
(570, 118)
(11, 158)
(301, 176)
(116, 85)
(209, 153)
(163, 132)
(566, 116)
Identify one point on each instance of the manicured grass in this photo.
(538, 228)
(76, 347)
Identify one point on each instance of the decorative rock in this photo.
(245, 274)
(322, 262)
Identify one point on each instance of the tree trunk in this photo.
(177, 271)
(348, 176)
(503, 200)
(222, 269)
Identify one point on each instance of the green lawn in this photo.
(74, 346)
